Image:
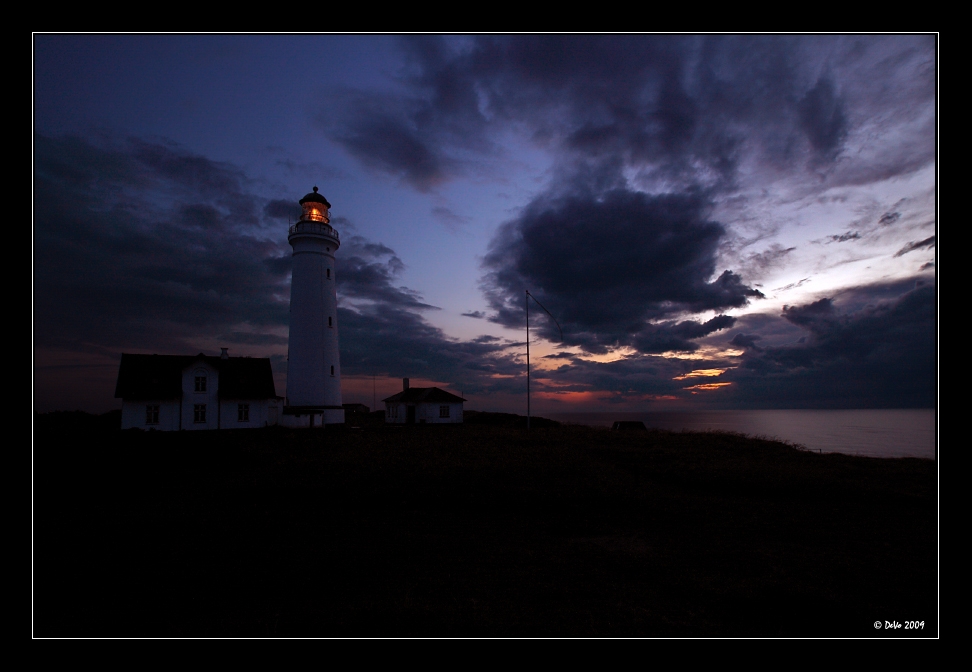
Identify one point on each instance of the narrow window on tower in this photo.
(330, 321)
(332, 369)
(328, 274)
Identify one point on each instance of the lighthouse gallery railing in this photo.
(313, 227)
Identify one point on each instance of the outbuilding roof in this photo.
(430, 395)
(160, 376)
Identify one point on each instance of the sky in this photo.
(714, 221)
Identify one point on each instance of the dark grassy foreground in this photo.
(474, 530)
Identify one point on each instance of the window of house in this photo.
(443, 411)
(199, 412)
(151, 415)
(200, 383)
(242, 412)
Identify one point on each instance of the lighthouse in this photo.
(313, 361)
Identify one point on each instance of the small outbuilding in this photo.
(423, 405)
(173, 392)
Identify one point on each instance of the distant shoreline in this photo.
(870, 432)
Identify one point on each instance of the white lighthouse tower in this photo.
(313, 363)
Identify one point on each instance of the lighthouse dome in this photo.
(314, 197)
(314, 208)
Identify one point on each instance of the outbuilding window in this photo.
(200, 383)
(199, 412)
(151, 415)
(443, 411)
(242, 412)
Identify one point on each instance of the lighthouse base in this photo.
(311, 416)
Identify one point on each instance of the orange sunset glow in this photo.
(708, 386)
(701, 373)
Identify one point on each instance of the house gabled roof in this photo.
(430, 395)
(245, 378)
(160, 376)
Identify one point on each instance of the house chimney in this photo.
(404, 384)
(224, 354)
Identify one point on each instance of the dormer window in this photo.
(200, 383)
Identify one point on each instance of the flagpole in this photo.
(526, 300)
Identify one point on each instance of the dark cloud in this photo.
(607, 265)
(814, 313)
(137, 242)
(862, 350)
(646, 134)
(385, 339)
(385, 139)
(478, 314)
(742, 340)
(282, 209)
(889, 218)
(756, 265)
(679, 336)
(367, 271)
(822, 117)
(844, 237)
(792, 285)
(920, 245)
(679, 109)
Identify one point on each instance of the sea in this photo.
(873, 433)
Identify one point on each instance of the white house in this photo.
(423, 405)
(173, 392)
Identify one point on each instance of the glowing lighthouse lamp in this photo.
(313, 365)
